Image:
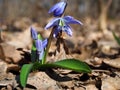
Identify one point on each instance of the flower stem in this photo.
(48, 45)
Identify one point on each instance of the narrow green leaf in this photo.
(24, 74)
(37, 65)
(33, 46)
(72, 64)
(39, 37)
(116, 38)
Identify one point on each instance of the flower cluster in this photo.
(39, 44)
(60, 22)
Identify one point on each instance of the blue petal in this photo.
(68, 30)
(52, 23)
(71, 20)
(52, 9)
(58, 9)
(39, 46)
(44, 43)
(57, 30)
(33, 33)
(40, 54)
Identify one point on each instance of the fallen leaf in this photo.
(110, 83)
(113, 62)
(9, 53)
(41, 80)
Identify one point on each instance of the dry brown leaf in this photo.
(3, 67)
(110, 83)
(21, 40)
(113, 62)
(41, 80)
(95, 62)
(9, 53)
(91, 87)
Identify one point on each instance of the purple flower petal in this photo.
(71, 20)
(44, 43)
(33, 33)
(39, 45)
(57, 30)
(52, 23)
(68, 30)
(40, 55)
(56, 6)
(58, 9)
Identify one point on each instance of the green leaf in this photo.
(116, 38)
(24, 74)
(36, 66)
(33, 46)
(72, 64)
(39, 37)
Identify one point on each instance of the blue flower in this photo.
(41, 45)
(62, 24)
(33, 33)
(66, 29)
(58, 9)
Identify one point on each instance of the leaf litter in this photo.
(100, 53)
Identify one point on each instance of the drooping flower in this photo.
(62, 24)
(58, 9)
(41, 45)
(33, 33)
(66, 29)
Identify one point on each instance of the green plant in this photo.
(116, 38)
(40, 47)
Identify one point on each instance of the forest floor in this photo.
(99, 50)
